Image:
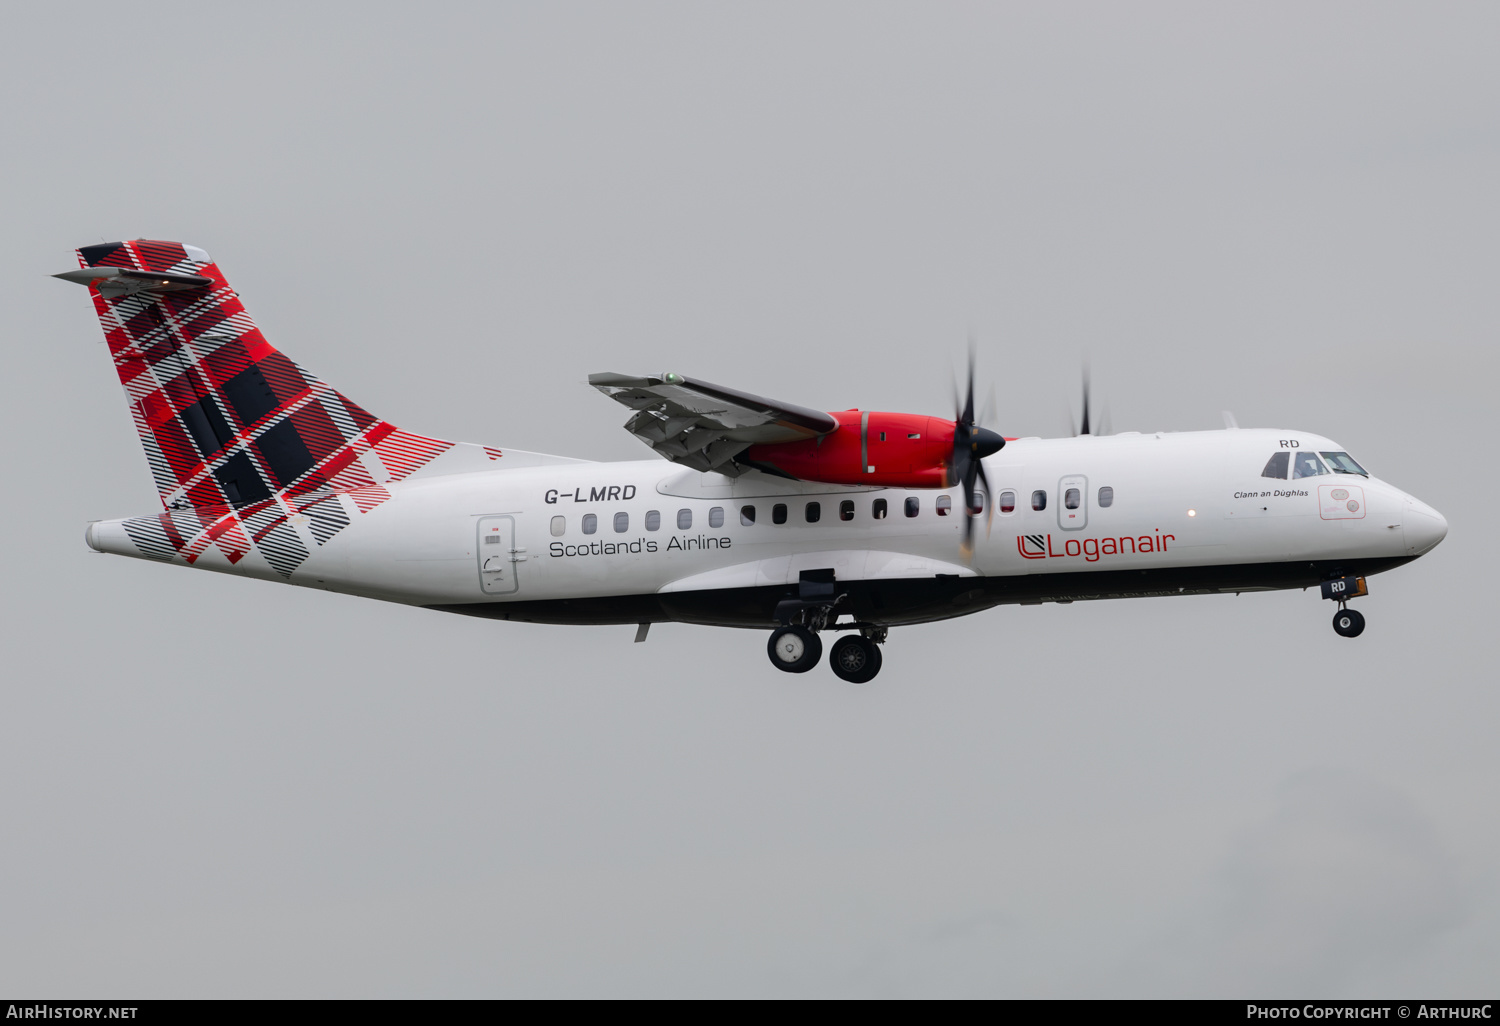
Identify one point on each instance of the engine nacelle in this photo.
(901, 450)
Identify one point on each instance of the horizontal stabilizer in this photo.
(125, 281)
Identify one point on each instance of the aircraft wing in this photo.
(704, 426)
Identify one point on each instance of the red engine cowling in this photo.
(900, 450)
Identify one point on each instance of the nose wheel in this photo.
(1348, 623)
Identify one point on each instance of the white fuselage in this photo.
(1177, 500)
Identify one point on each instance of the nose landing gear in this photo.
(1346, 622)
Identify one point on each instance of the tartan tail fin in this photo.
(258, 462)
(225, 419)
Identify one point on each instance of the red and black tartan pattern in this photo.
(249, 451)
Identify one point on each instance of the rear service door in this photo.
(498, 558)
(1073, 502)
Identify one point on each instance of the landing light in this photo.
(1192, 512)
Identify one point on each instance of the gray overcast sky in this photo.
(212, 786)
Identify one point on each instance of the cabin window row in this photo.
(1072, 499)
(812, 512)
(590, 521)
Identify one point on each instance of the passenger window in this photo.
(653, 520)
(1007, 502)
(913, 506)
(846, 509)
(813, 512)
(944, 505)
(1106, 497)
(878, 509)
(716, 517)
(559, 526)
(778, 513)
(684, 519)
(978, 506)
(1343, 463)
(1307, 465)
(622, 523)
(1038, 500)
(1072, 498)
(590, 523)
(747, 516)
(1276, 465)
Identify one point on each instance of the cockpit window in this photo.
(1308, 465)
(1276, 465)
(1343, 463)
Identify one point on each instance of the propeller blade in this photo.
(971, 444)
(989, 501)
(1085, 400)
(972, 469)
(968, 414)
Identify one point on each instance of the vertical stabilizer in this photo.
(250, 452)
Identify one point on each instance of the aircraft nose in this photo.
(1423, 526)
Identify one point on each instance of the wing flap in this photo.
(705, 426)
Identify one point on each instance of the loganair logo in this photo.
(1041, 546)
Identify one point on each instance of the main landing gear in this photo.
(1347, 623)
(854, 657)
(794, 646)
(794, 649)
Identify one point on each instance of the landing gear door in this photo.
(1073, 502)
(498, 555)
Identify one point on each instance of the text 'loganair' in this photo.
(1039, 546)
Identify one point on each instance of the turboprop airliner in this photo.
(752, 513)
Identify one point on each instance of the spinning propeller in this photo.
(1084, 429)
(971, 444)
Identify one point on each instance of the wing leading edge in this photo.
(705, 426)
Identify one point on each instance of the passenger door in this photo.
(498, 556)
